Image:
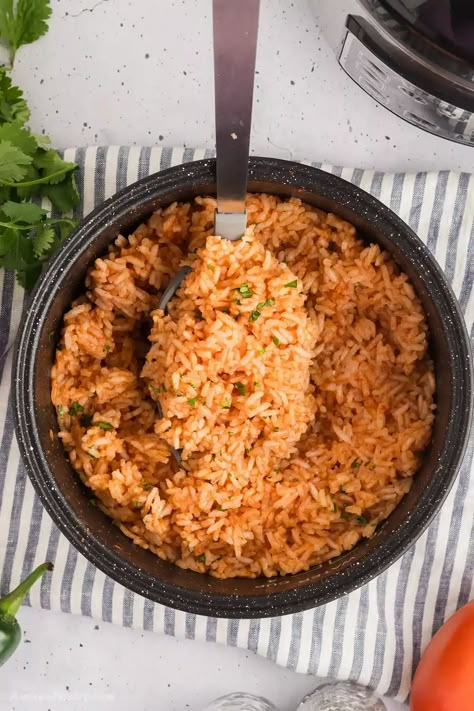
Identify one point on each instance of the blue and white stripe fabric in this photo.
(374, 635)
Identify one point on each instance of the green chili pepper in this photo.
(10, 630)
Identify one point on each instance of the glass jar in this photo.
(346, 696)
(241, 702)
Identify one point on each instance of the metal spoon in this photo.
(235, 45)
(235, 25)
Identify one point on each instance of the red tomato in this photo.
(444, 679)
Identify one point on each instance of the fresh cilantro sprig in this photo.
(22, 22)
(31, 172)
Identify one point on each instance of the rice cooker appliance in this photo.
(415, 57)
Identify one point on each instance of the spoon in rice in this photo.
(235, 45)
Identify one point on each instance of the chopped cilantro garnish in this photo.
(237, 301)
(362, 520)
(220, 508)
(254, 315)
(256, 383)
(345, 515)
(276, 341)
(147, 486)
(201, 558)
(211, 267)
(152, 387)
(137, 504)
(343, 491)
(163, 387)
(226, 405)
(334, 507)
(106, 349)
(91, 455)
(276, 429)
(105, 425)
(241, 388)
(261, 351)
(193, 401)
(198, 315)
(60, 410)
(244, 291)
(75, 409)
(355, 464)
(268, 302)
(59, 347)
(292, 284)
(226, 311)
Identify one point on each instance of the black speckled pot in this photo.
(93, 534)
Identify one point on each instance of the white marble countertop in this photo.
(140, 72)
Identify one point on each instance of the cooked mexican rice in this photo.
(292, 372)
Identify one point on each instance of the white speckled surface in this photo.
(128, 71)
(122, 71)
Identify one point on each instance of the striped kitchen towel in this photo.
(374, 635)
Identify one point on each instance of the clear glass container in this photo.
(342, 696)
(241, 702)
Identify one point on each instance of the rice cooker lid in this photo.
(412, 56)
(447, 24)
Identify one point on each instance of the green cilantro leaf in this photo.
(19, 137)
(13, 107)
(105, 426)
(75, 409)
(292, 284)
(13, 162)
(26, 212)
(244, 291)
(22, 22)
(52, 166)
(28, 277)
(64, 196)
(29, 167)
(241, 388)
(268, 302)
(16, 252)
(44, 240)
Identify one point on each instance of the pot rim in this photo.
(295, 176)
